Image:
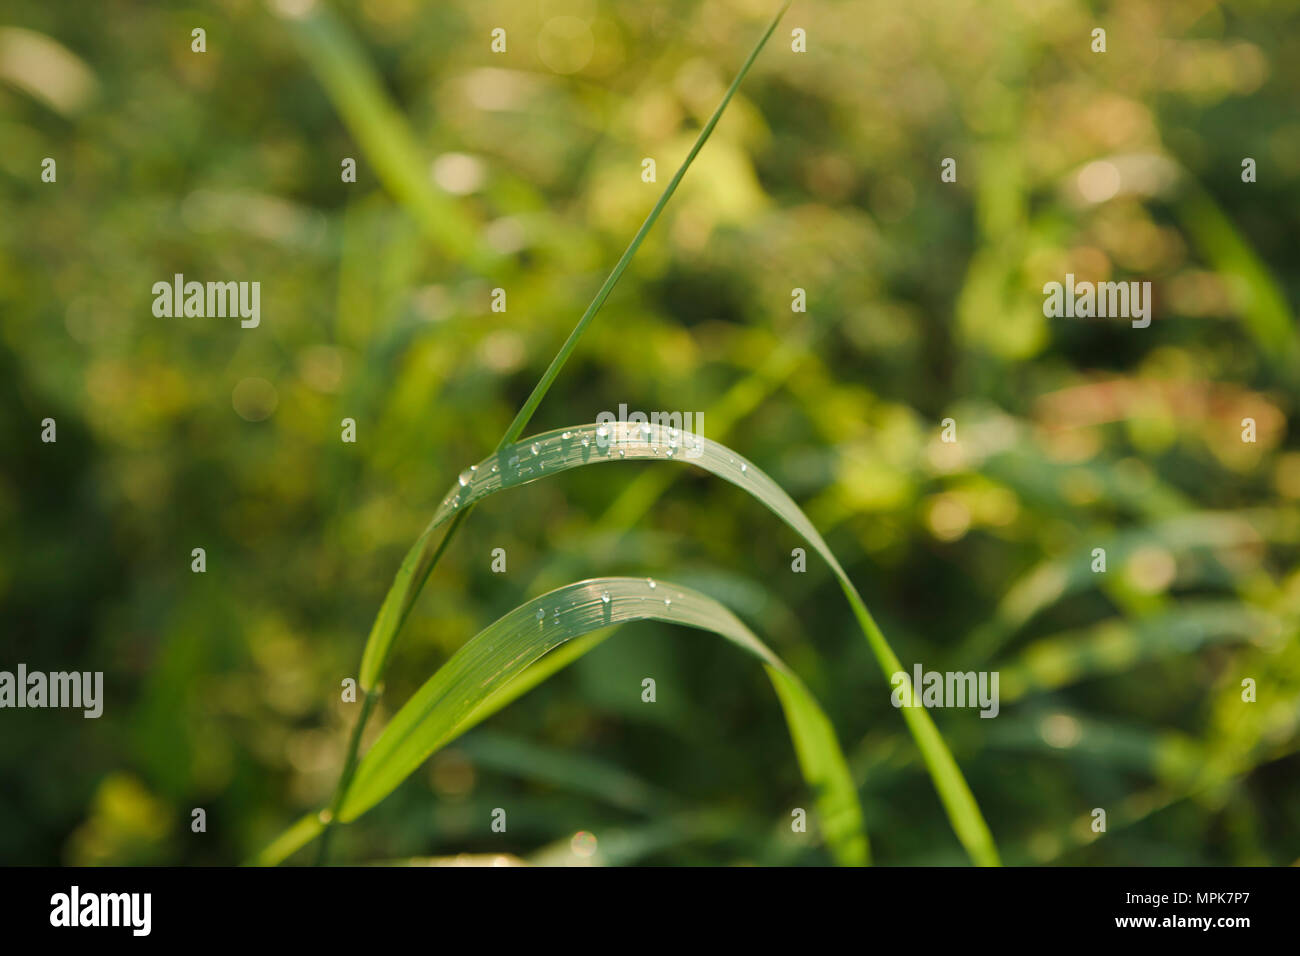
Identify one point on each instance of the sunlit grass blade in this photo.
(382, 132)
(420, 561)
(307, 828)
(446, 705)
(1253, 289)
(557, 451)
(553, 370)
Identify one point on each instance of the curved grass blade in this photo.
(562, 449)
(448, 702)
(310, 826)
(417, 566)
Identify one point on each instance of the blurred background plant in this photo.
(522, 171)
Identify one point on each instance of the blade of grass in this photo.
(553, 370)
(301, 833)
(310, 826)
(1255, 292)
(371, 116)
(446, 705)
(417, 566)
(557, 451)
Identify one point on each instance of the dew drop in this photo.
(622, 453)
(585, 441)
(743, 468)
(602, 431)
(604, 597)
(466, 476)
(536, 448)
(651, 582)
(541, 613)
(668, 602)
(567, 435)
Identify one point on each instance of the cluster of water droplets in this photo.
(555, 615)
(608, 439)
(731, 460)
(605, 598)
(650, 582)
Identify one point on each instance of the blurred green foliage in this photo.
(522, 171)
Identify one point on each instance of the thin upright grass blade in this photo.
(419, 564)
(382, 132)
(1256, 293)
(448, 702)
(553, 370)
(307, 828)
(421, 560)
(560, 450)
